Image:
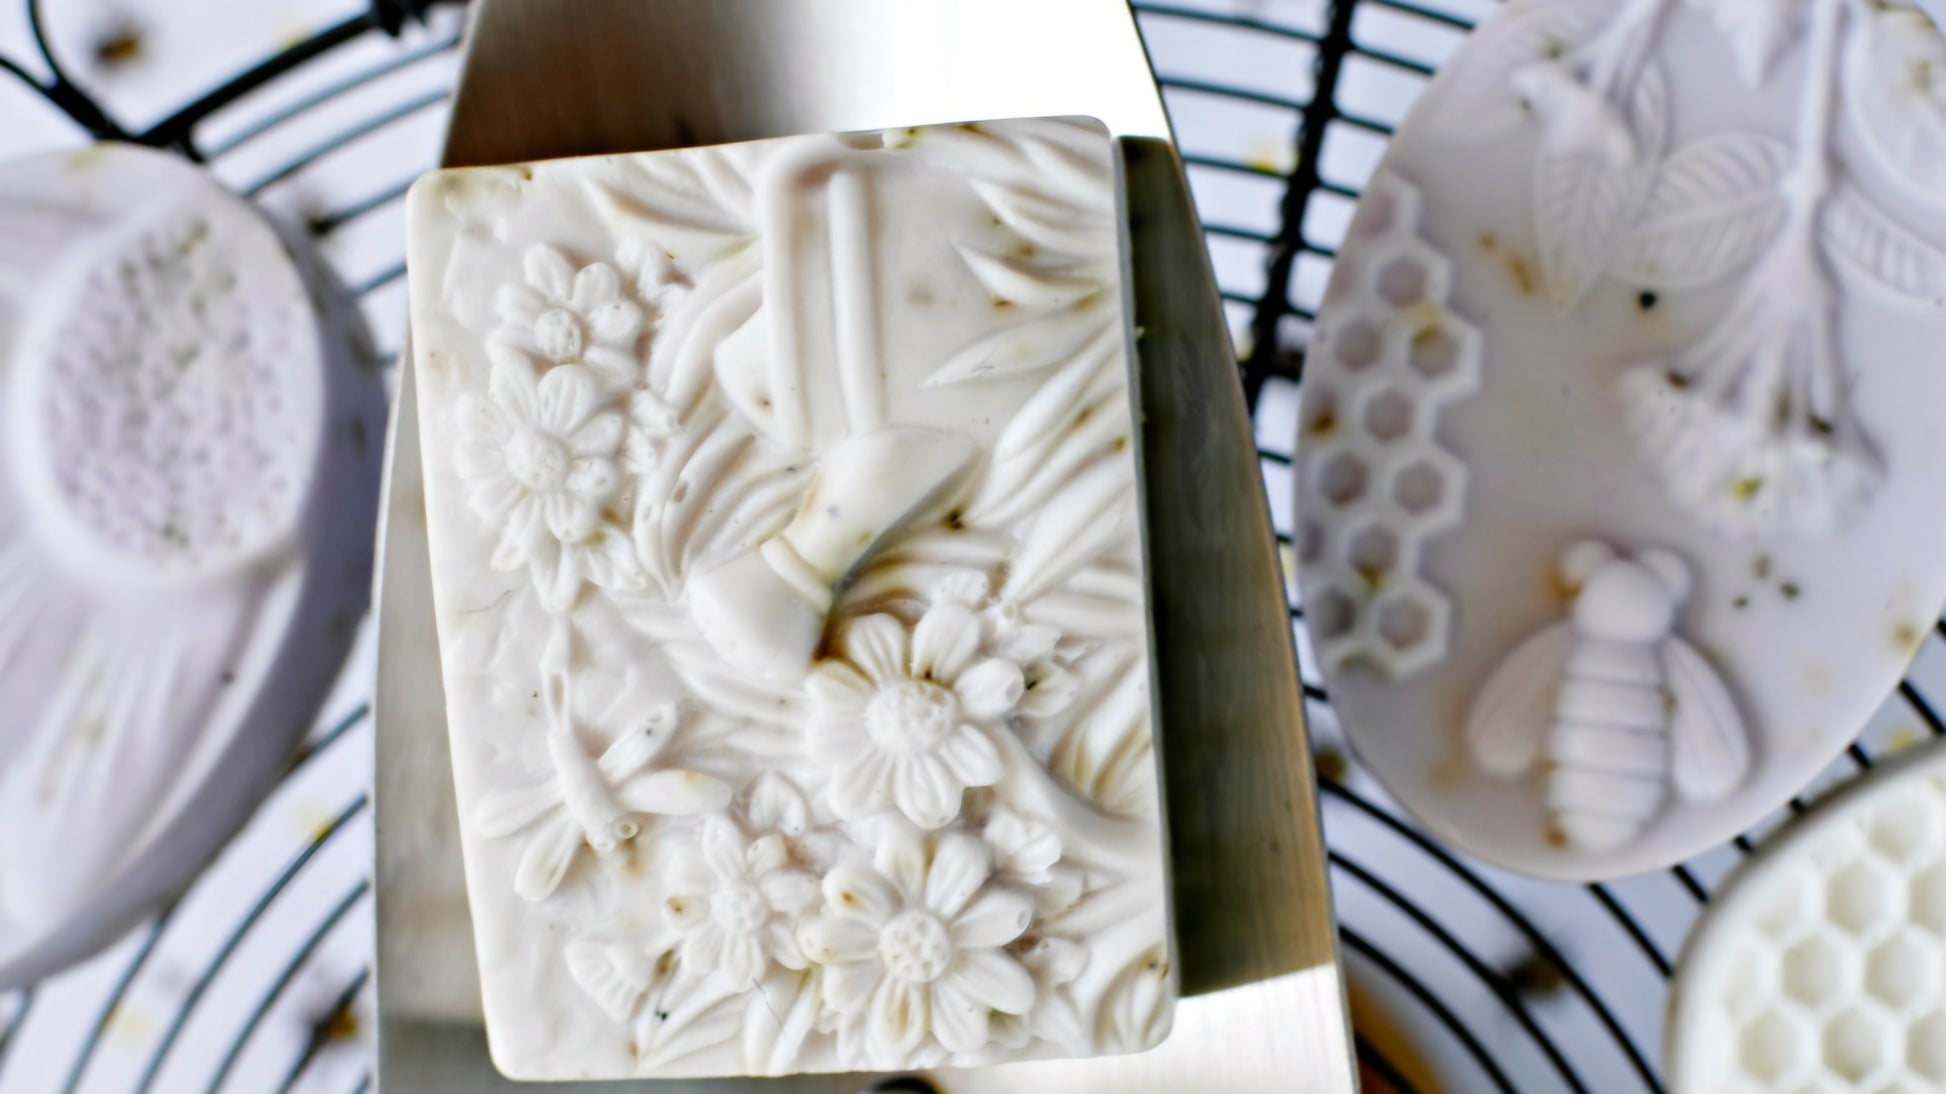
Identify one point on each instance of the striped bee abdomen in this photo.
(1609, 745)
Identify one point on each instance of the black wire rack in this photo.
(1464, 977)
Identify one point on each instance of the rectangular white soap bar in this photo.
(788, 563)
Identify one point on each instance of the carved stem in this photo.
(854, 300)
(1817, 397)
(1810, 175)
(1785, 301)
(1087, 835)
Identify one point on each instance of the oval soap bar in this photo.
(1618, 467)
(188, 471)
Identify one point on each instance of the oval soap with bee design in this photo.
(1616, 467)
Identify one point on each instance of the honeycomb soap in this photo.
(1819, 965)
(788, 568)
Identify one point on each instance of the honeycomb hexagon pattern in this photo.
(1821, 964)
(1375, 484)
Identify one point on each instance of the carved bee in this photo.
(1612, 704)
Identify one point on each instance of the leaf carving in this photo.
(1105, 751)
(1081, 176)
(779, 1017)
(1714, 206)
(1026, 285)
(708, 1017)
(1476, 101)
(1076, 416)
(1023, 485)
(1867, 244)
(1137, 1009)
(705, 191)
(1042, 220)
(1055, 404)
(1084, 518)
(677, 1011)
(1583, 203)
(1056, 280)
(671, 211)
(1022, 348)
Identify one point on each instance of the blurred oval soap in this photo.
(1619, 453)
(186, 496)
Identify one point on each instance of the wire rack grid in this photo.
(1464, 977)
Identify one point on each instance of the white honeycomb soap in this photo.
(1821, 964)
(1617, 507)
(788, 569)
(187, 484)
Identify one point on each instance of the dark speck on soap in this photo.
(1522, 273)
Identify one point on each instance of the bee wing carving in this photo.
(1710, 752)
(673, 793)
(1513, 712)
(632, 751)
(505, 812)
